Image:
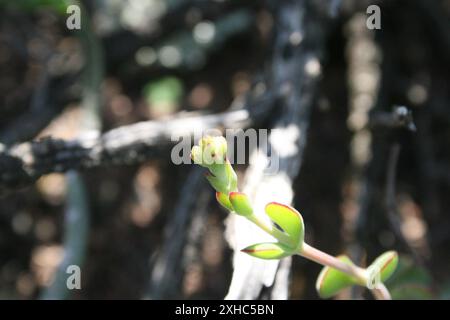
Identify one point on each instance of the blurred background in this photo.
(86, 116)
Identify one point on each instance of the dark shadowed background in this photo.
(86, 118)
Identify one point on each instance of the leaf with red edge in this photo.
(290, 220)
(331, 281)
(385, 265)
(268, 250)
(222, 198)
(241, 203)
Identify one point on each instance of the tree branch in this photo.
(22, 164)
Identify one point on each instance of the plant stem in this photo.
(325, 259)
(381, 292)
(311, 253)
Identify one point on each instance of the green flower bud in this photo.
(211, 153)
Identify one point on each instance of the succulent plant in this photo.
(288, 229)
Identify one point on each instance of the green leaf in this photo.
(407, 271)
(217, 184)
(268, 250)
(385, 264)
(241, 203)
(223, 199)
(410, 281)
(231, 176)
(331, 281)
(290, 220)
(411, 291)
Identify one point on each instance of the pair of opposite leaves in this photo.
(330, 280)
(287, 218)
